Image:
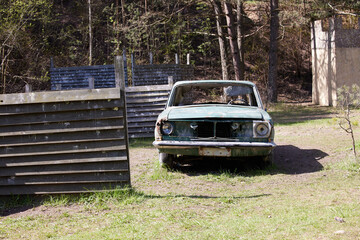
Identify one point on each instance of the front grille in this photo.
(223, 129)
(205, 129)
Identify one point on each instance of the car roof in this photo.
(194, 82)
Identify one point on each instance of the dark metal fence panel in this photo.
(144, 75)
(62, 142)
(79, 77)
(144, 104)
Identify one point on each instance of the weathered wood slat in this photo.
(59, 117)
(146, 109)
(89, 155)
(63, 188)
(67, 161)
(65, 169)
(146, 95)
(143, 120)
(55, 148)
(62, 126)
(59, 138)
(148, 88)
(58, 107)
(59, 96)
(141, 124)
(142, 135)
(57, 131)
(160, 99)
(103, 177)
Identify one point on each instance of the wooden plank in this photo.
(68, 161)
(92, 155)
(145, 109)
(17, 152)
(148, 88)
(57, 131)
(141, 120)
(59, 96)
(61, 137)
(160, 99)
(141, 124)
(59, 106)
(65, 126)
(147, 95)
(142, 114)
(63, 188)
(102, 177)
(64, 169)
(142, 135)
(20, 119)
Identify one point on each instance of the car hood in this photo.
(214, 111)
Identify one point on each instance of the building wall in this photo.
(335, 57)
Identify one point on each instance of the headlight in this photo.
(167, 128)
(235, 126)
(261, 129)
(194, 125)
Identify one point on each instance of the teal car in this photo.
(214, 118)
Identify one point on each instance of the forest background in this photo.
(92, 32)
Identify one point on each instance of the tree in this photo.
(273, 59)
(240, 37)
(348, 99)
(217, 9)
(15, 17)
(90, 33)
(232, 39)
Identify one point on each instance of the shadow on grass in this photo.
(293, 160)
(33, 201)
(288, 159)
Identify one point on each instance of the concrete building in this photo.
(335, 59)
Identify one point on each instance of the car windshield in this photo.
(236, 94)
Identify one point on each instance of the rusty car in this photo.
(214, 118)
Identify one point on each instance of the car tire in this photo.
(269, 159)
(166, 160)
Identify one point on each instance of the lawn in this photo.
(312, 191)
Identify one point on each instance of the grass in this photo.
(207, 204)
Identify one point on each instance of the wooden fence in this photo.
(63, 141)
(144, 104)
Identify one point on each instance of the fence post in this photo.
(171, 81)
(28, 88)
(125, 68)
(176, 58)
(132, 69)
(188, 59)
(91, 81)
(120, 83)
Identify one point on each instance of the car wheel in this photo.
(166, 160)
(268, 160)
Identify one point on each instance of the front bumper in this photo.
(216, 149)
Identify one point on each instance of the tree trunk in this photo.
(240, 38)
(90, 34)
(232, 39)
(217, 10)
(274, 29)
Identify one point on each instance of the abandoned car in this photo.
(214, 118)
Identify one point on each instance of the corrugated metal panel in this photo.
(78, 77)
(144, 104)
(144, 75)
(62, 142)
